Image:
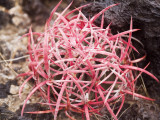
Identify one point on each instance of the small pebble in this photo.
(14, 89)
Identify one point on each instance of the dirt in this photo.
(16, 19)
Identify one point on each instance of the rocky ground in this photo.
(16, 18)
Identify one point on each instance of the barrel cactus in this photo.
(79, 67)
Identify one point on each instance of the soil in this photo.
(16, 18)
